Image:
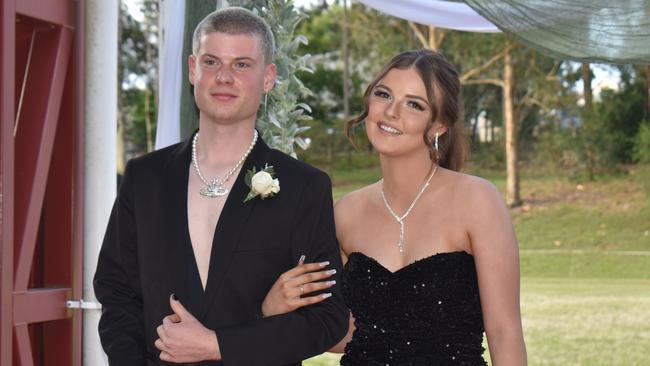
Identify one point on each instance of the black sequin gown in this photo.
(427, 313)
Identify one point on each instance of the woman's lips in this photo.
(389, 130)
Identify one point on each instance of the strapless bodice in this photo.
(427, 313)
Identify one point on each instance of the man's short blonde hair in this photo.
(235, 20)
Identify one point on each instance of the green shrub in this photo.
(641, 152)
(554, 149)
(488, 155)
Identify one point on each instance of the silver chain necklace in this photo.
(215, 187)
(400, 219)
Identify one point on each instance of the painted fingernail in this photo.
(302, 259)
(326, 295)
(331, 271)
(331, 283)
(324, 264)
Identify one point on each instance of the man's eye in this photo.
(381, 94)
(210, 62)
(242, 65)
(415, 105)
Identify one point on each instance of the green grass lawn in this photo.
(585, 264)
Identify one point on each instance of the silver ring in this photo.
(302, 290)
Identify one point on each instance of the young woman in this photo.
(431, 259)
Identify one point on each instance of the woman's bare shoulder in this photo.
(352, 203)
(471, 188)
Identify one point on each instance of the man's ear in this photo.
(191, 63)
(269, 77)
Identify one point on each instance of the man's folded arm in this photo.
(308, 331)
(121, 328)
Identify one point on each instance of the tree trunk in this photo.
(436, 36)
(589, 108)
(195, 11)
(346, 71)
(119, 149)
(586, 80)
(512, 186)
(120, 142)
(147, 90)
(647, 85)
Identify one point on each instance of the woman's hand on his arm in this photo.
(290, 290)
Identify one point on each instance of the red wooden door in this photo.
(41, 99)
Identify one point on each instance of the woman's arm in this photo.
(340, 347)
(496, 255)
(282, 295)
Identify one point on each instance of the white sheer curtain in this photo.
(172, 19)
(443, 14)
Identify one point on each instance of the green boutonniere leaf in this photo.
(249, 177)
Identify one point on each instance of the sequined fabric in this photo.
(427, 313)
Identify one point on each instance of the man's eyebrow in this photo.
(242, 58)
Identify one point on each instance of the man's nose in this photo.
(224, 76)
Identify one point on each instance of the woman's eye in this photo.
(415, 105)
(381, 94)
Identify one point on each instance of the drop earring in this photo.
(435, 141)
(266, 99)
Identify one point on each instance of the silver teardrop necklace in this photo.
(400, 219)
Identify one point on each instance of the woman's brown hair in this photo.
(443, 87)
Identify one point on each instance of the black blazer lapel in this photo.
(231, 222)
(175, 218)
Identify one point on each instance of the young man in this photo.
(187, 260)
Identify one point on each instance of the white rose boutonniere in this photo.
(262, 183)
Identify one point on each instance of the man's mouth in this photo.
(223, 96)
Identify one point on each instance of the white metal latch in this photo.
(84, 305)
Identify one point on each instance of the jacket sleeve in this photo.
(116, 283)
(308, 331)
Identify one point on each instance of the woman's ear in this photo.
(438, 128)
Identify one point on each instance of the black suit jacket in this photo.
(142, 261)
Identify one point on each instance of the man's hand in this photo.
(184, 339)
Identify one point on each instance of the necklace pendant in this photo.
(213, 191)
(400, 243)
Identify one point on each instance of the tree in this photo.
(137, 80)
(373, 38)
(526, 82)
(507, 83)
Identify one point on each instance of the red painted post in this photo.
(7, 100)
(41, 176)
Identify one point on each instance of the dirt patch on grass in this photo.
(613, 195)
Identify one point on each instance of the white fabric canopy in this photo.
(172, 21)
(443, 14)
